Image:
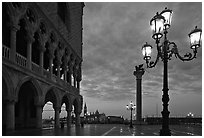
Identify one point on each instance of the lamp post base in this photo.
(131, 126)
(165, 132)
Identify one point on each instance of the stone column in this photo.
(42, 50)
(74, 75)
(57, 121)
(39, 110)
(77, 123)
(29, 54)
(69, 118)
(30, 39)
(138, 73)
(51, 57)
(41, 61)
(10, 112)
(79, 77)
(42, 40)
(51, 67)
(58, 68)
(14, 29)
(59, 62)
(78, 84)
(70, 71)
(65, 68)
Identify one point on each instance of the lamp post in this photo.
(160, 24)
(131, 107)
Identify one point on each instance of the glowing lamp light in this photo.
(195, 38)
(127, 106)
(157, 26)
(146, 51)
(167, 14)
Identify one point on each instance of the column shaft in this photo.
(29, 55)
(57, 122)
(74, 81)
(139, 100)
(39, 110)
(58, 71)
(41, 61)
(77, 123)
(69, 118)
(78, 84)
(10, 119)
(51, 67)
(13, 43)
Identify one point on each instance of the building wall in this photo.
(73, 36)
(27, 82)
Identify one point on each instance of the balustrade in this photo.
(35, 68)
(21, 60)
(46, 73)
(6, 52)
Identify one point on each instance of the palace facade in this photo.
(41, 61)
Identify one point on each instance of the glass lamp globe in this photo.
(146, 51)
(157, 26)
(195, 38)
(167, 14)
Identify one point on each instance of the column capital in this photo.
(30, 28)
(139, 71)
(51, 48)
(7, 101)
(77, 112)
(56, 108)
(69, 110)
(14, 27)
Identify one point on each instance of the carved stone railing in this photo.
(6, 52)
(35, 68)
(54, 78)
(46, 73)
(21, 60)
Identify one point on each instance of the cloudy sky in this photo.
(113, 34)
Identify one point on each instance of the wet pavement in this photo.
(110, 130)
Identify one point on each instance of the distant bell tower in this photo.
(85, 110)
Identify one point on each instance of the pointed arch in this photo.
(33, 81)
(67, 100)
(76, 102)
(52, 96)
(8, 91)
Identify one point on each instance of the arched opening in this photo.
(62, 69)
(25, 108)
(48, 109)
(21, 42)
(76, 109)
(63, 114)
(35, 49)
(5, 25)
(73, 116)
(48, 115)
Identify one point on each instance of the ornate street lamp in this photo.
(131, 107)
(167, 14)
(160, 23)
(157, 26)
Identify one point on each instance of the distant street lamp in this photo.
(160, 23)
(131, 107)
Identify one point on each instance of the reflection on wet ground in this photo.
(110, 130)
